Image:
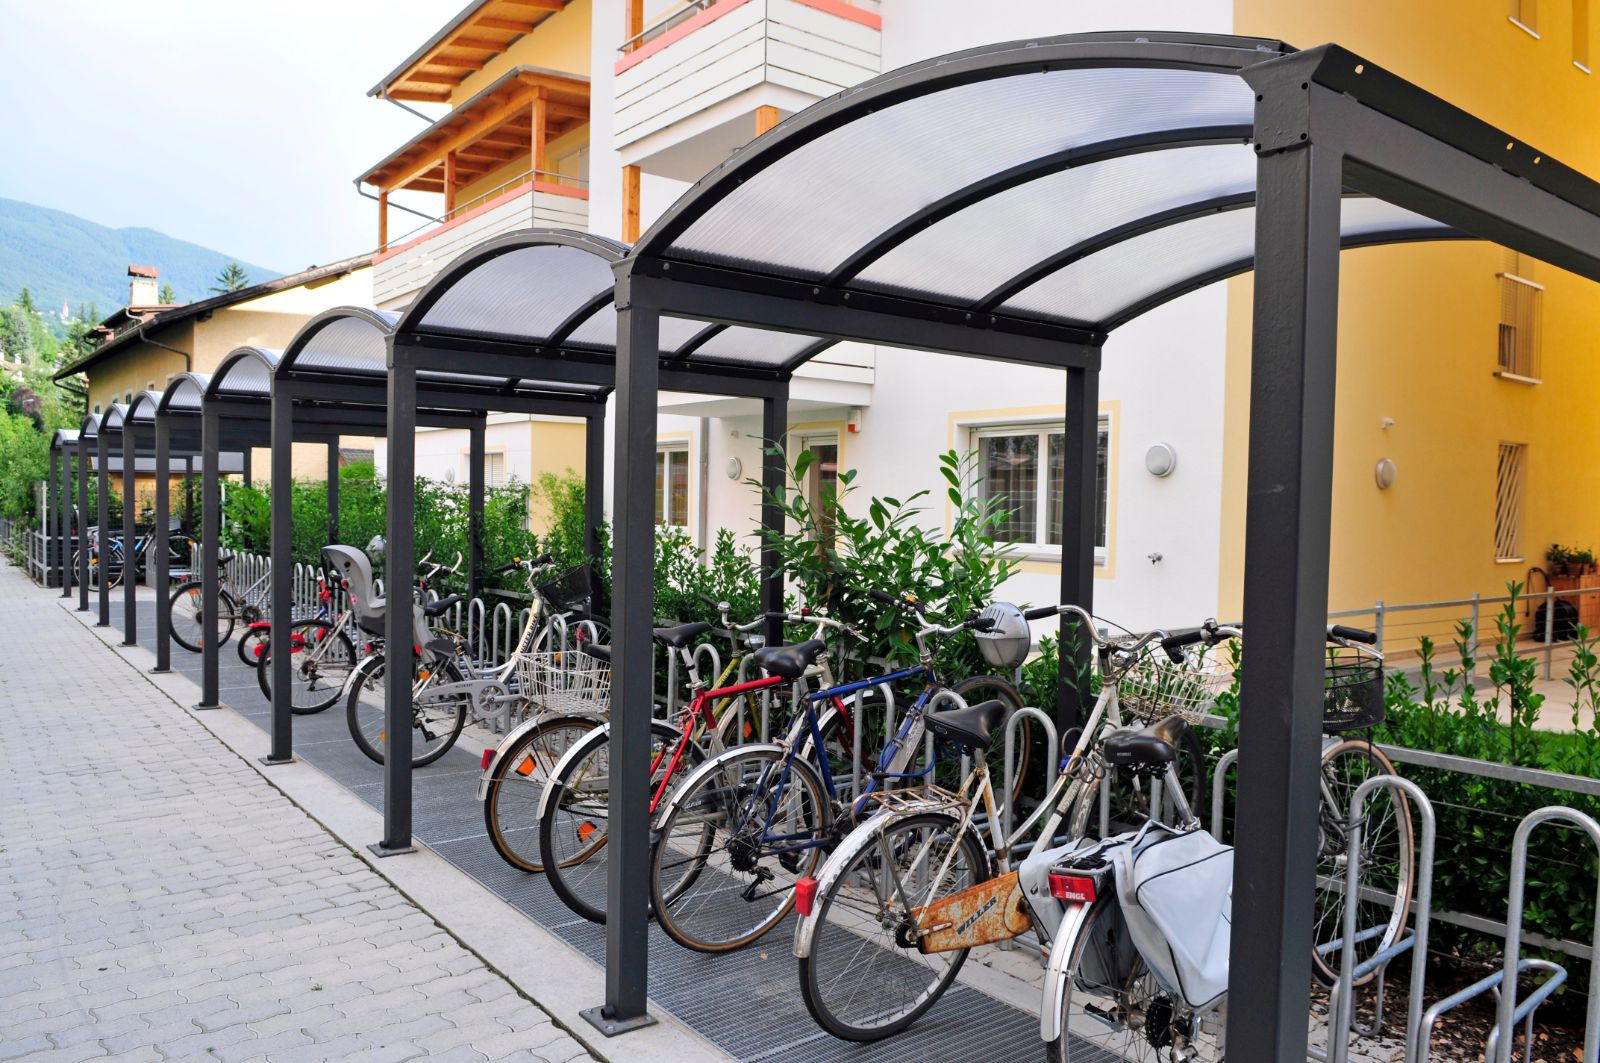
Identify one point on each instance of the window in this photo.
(1580, 35)
(1521, 320)
(672, 486)
(1525, 14)
(494, 469)
(1021, 463)
(1508, 502)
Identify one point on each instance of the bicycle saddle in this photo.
(597, 651)
(789, 662)
(680, 636)
(1148, 749)
(440, 607)
(969, 728)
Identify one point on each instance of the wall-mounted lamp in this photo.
(1160, 459)
(1384, 473)
(735, 467)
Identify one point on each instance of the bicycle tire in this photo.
(1394, 861)
(739, 785)
(569, 811)
(369, 676)
(839, 921)
(252, 646)
(185, 601)
(317, 681)
(511, 804)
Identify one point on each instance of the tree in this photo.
(168, 297)
(25, 301)
(233, 278)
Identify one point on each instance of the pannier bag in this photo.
(1177, 896)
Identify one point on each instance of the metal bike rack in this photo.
(1522, 1013)
(1341, 1011)
(1009, 777)
(1219, 789)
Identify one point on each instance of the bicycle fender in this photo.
(582, 748)
(1057, 979)
(358, 674)
(511, 739)
(676, 796)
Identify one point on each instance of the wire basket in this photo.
(565, 682)
(572, 588)
(1352, 689)
(1155, 686)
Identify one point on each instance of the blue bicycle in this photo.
(735, 837)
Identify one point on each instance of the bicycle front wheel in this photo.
(188, 624)
(511, 806)
(727, 855)
(320, 660)
(864, 979)
(1386, 859)
(436, 719)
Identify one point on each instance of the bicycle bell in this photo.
(1006, 643)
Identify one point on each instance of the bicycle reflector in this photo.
(1072, 887)
(488, 755)
(805, 895)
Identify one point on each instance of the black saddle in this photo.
(440, 607)
(1145, 750)
(969, 728)
(789, 662)
(596, 650)
(680, 636)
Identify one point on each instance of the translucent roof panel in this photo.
(810, 209)
(525, 293)
(599, 330)
(115, 414)
(1100, 287)
(967, 255)
(353, 343)
(247, 372)
(740, 345)
(183, 395)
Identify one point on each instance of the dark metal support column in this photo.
(103, 486)
(632, 610)
(249, 453)
(52, 490)
(64, 521)
(774, 426)
(333, 491)
(1078, 526)
(188, 495)
(161, 546)
(475, 459)
(210, 548)
(1288, 511)
(83, 525)
(594, 488)
(282, 548)
(130, 567)
(399, 575)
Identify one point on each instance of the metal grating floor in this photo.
(747, 1003)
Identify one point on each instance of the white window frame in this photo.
(675, 449)
(505, 469)
(1039, 548)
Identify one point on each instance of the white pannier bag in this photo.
(1177, 896)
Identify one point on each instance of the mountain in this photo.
(58, 256)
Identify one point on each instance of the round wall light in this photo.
(1160, 459)
(735, 467)
(1384, 473)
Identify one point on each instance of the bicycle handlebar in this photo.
(1352, 634)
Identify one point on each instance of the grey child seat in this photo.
(351, 568)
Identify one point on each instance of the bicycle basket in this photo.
(571, 681)
(1005, 645)
(1352, 689)
(572, 588)
(1156, 686)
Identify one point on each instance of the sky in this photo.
(238, 126)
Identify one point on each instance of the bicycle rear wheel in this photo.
(1387, 859)
(511, 805)
(320, 660)
(436, 720)
(188, 626)
(864, 979)
(729, 851)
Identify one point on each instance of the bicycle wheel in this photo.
(320, 660)
(436, 720)
(1387, 859)
(864, 979)
(575, 815)
(252, 645)
(511, 805)
(1113, 1007)
(579, 630)
(726, 857)
(188, 627)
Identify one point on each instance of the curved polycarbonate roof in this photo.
(115, 414)
(552, 289)
(246, 373)
(1072, 181)
(184, 393)
(143, 407)
(63, 437)
(346, 339)
(91, 427)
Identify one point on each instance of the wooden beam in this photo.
(766, 118)
(511, 24)
(476, 42)
(459, 64)
(449, 183)
(469, 134)
(383, 220)
(543, 5)
(630, 204)
(635, 23)
(432, 79)
(539, 132)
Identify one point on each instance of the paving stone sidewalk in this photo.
(160, 900)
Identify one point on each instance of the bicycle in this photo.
(234, 606)
(738, 835)
(321, 647)
(116, 565)
(515, 774)
(574, 806)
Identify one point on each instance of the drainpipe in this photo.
(188, 360)
(704, 493)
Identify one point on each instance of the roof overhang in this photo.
(478, 33)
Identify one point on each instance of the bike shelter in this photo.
(536, 310)
(1020, 202)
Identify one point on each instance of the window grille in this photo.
(494, 469)
(1521, 319)
(1525, 13)
(1508, 502)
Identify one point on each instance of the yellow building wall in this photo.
(1418, 332)
(558, 447)
(561, 42)
(142, 366)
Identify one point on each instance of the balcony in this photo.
(688, 86)
(399, 272)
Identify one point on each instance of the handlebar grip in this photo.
(503, 569)
(886, 598)
(1041, 612)
(543, 559)
(981, 623)
(1174, 644)
(1353, 634)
